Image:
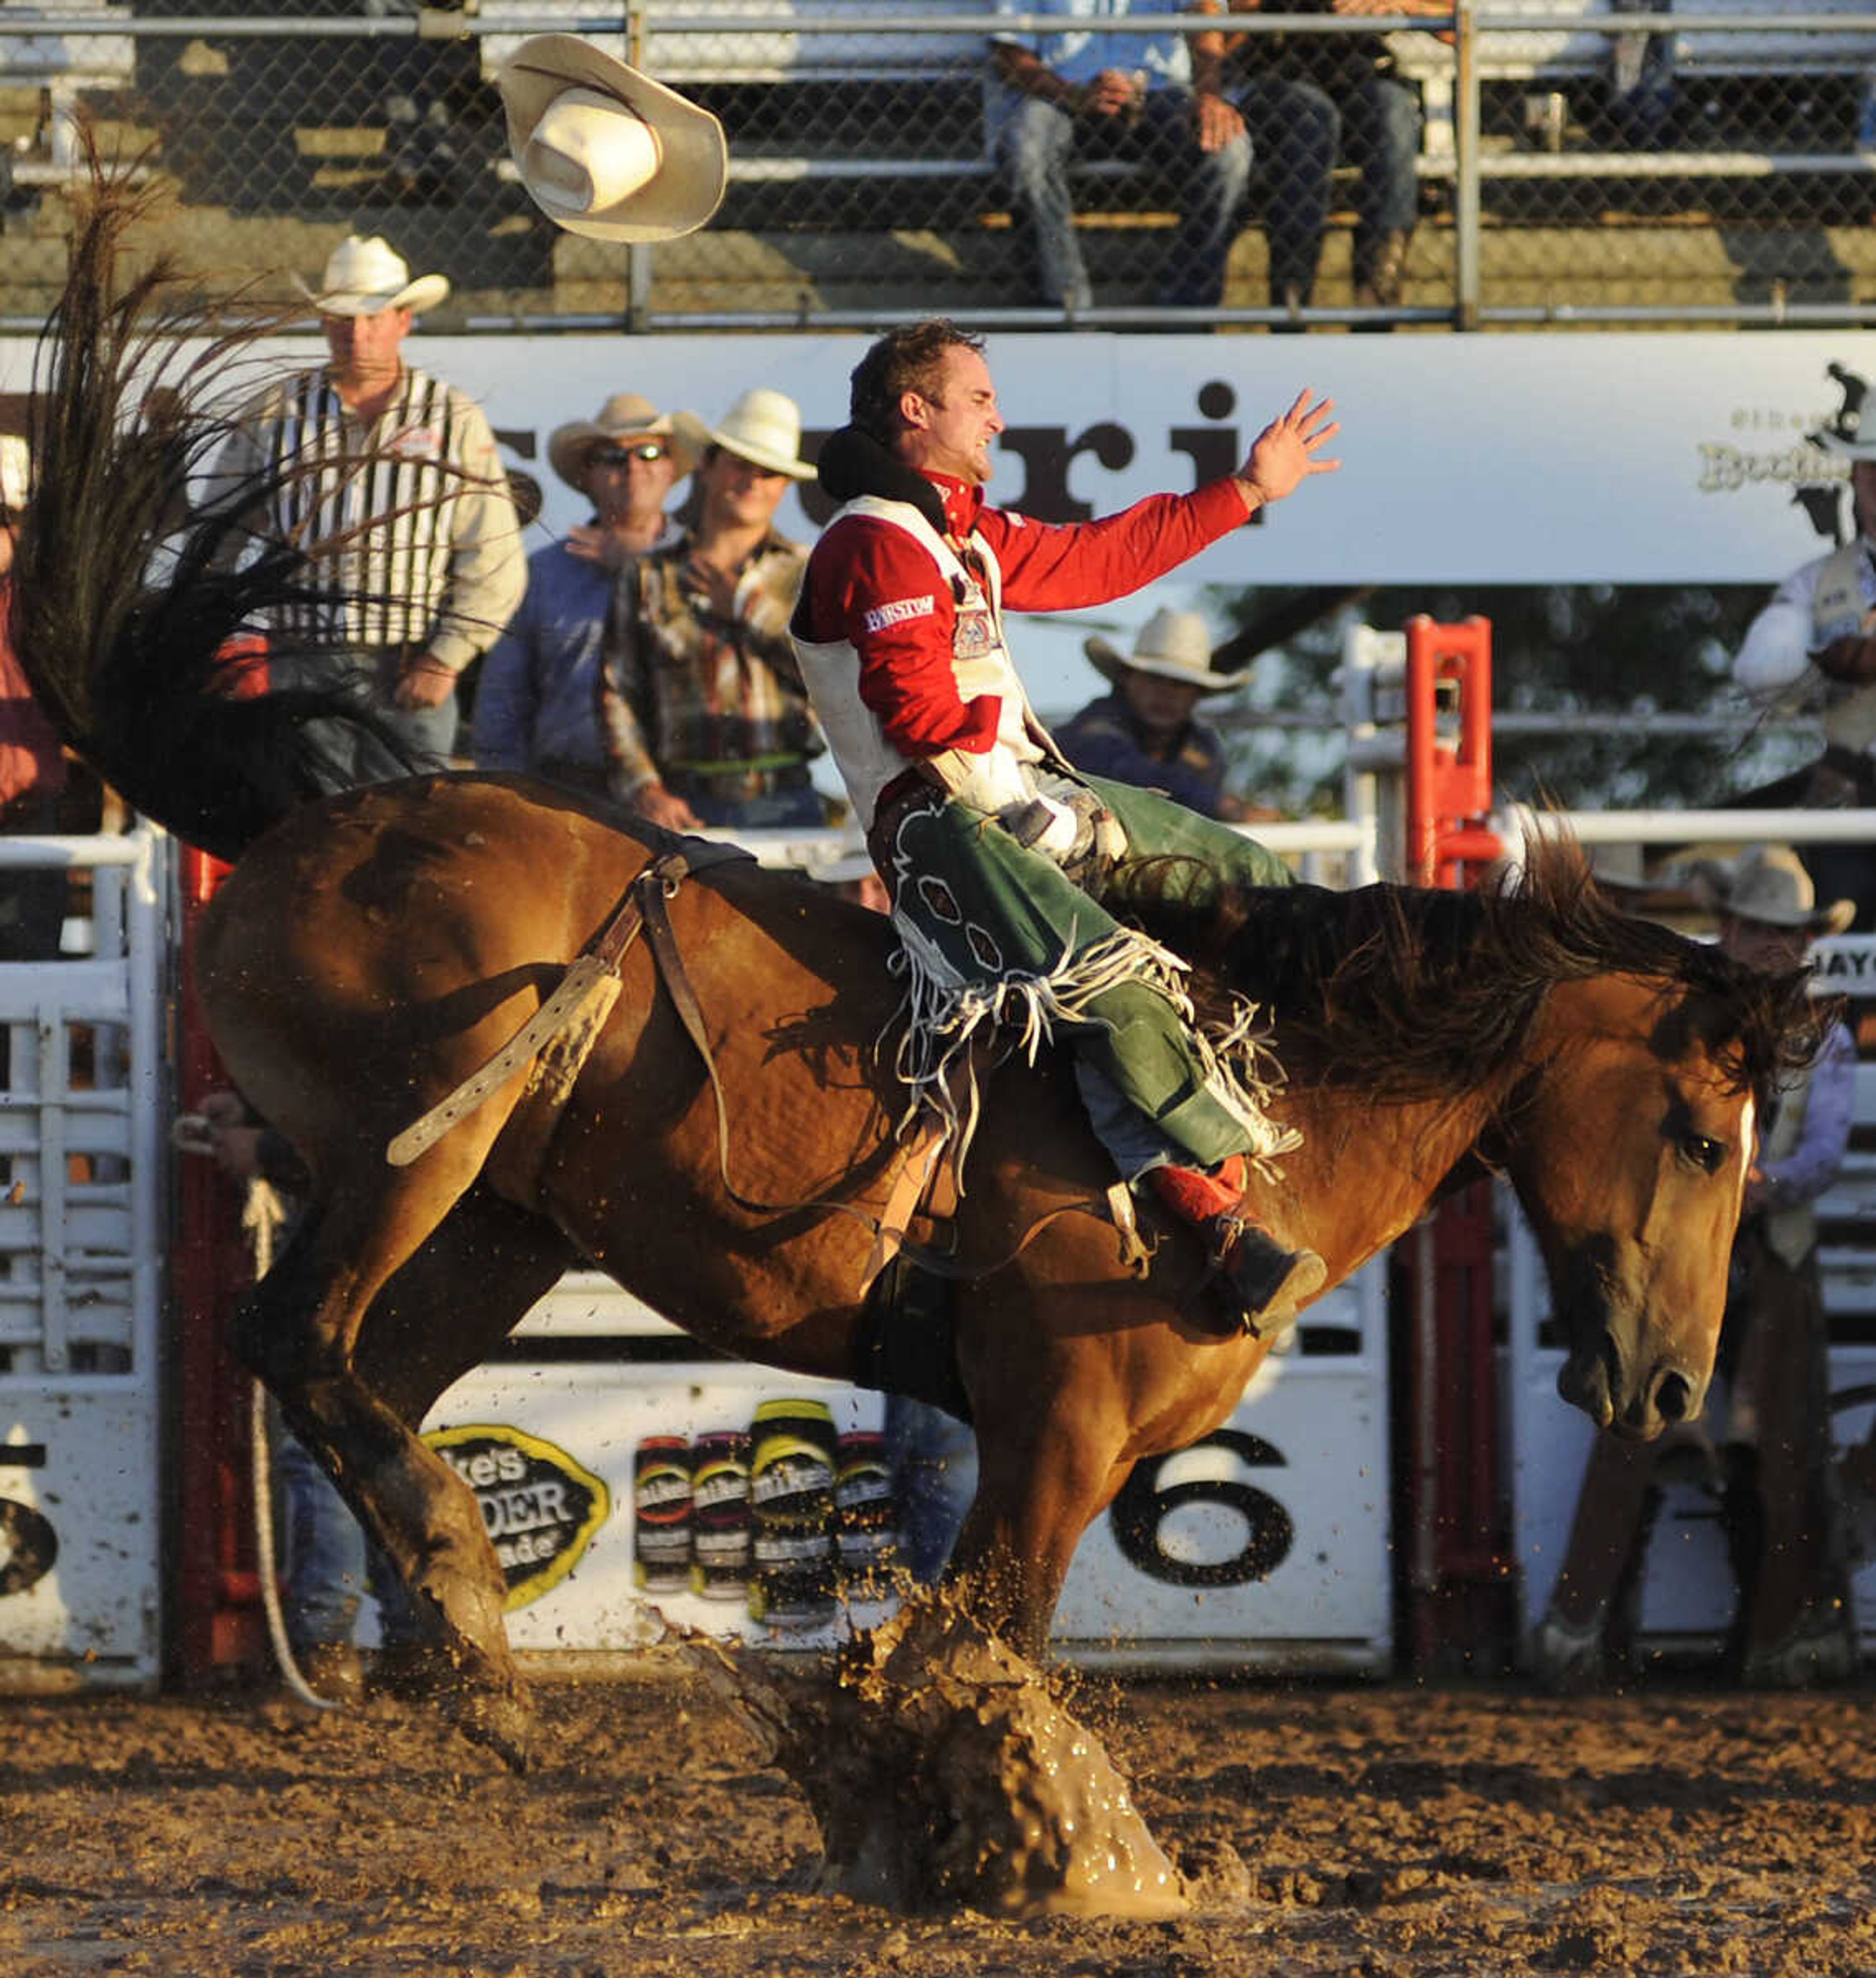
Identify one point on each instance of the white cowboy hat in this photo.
(624, 417)
(1171, 645)
(1769, 883)
(1847, 440)
(762, 425)
(366, 278)
(605, 151)
(15, 472)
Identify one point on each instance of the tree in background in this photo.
(1578, 649)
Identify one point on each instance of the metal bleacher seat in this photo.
(60, 67)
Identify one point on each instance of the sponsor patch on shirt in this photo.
(975, 634)
(417, 443)
(898, 610)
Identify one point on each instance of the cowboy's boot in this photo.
(1292, 282)
(1380, 269)
(1267, 1284)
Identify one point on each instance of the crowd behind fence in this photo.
(1575, 161)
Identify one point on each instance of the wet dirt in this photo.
(1391, 1832)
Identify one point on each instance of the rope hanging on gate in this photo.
(262, 1212)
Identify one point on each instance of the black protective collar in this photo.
(852, 462)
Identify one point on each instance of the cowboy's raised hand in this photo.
(1283, 453)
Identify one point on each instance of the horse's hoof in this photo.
(499, 1720)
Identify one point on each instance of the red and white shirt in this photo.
(892, 617)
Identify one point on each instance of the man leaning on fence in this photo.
(1152, 97)
(387, 480)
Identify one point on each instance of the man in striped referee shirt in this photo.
(389, 481)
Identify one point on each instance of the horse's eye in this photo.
(1706, 1154)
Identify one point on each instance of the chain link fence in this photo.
(1522, 163)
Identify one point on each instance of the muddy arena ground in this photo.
(1391, 1832)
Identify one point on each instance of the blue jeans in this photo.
(1298, 127)
(328, 1562)
(934, 1461)
(776, 812)
(428, 733)
(1033, 151)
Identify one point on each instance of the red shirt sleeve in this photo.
(1068, 565)
(877, 587)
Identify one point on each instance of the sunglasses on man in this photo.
(648, 452)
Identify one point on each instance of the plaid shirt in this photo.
(687, 693)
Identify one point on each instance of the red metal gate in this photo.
(1458, 1588)
(219, 1626)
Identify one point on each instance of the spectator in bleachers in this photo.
(1154, 97)
(1147, 731)
(702, 711)
(1302, 96)
(1814, 647)
(32, 762)
(389, 482)
(1795, 1623)
(536, 706)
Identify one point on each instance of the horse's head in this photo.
(1629, 1147)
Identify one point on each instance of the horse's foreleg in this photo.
(1035, 1497)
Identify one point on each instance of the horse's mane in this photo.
(1408, 993)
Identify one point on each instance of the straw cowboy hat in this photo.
(1171, 645)
(605, 151)
(366, 278)
(1622, 869)
(762, 425)
(624, 417)
(15, 472)
(1769, 883)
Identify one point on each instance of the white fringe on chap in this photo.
(945, 1015)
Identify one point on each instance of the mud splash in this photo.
(943, 1773)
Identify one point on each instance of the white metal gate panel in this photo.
(1267, 1543)
(83, 1129)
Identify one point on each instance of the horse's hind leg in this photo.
(300, 1333)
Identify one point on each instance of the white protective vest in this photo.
(980, 664)
(1841, 606)
(1791, 1234)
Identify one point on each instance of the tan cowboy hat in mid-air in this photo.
(367, 277)
(1171, 645)
(605, 151)
(762, 425)
(1769, 883)
(623, 417)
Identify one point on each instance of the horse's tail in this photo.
(131, 593)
